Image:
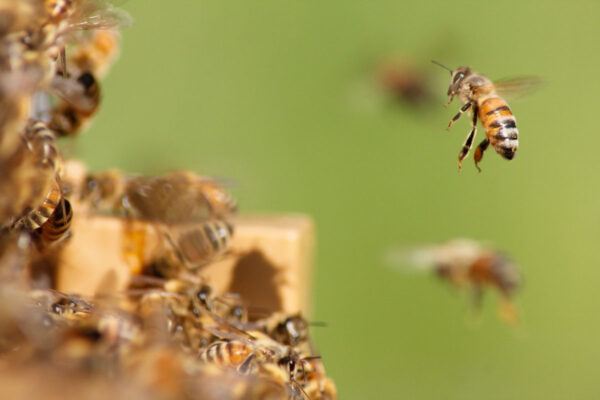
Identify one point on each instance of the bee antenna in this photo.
(441, 65)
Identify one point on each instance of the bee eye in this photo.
(459, 76)
(87, 80)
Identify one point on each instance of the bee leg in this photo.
(477, 297)
(245, 367)
(479, 151)
(63, 62)
(469, 142)
(449, 100)
(459, 114)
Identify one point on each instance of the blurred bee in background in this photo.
(482, 99)
(467, 262)
(405, 82)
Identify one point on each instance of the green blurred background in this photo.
(275, 96)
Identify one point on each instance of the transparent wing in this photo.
(99, 14)
(410, 258)
(517, 87)
(173, 198)
(72, 92)
(454, 252)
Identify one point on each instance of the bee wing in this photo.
(410, 258)
(249, 339)
(72, 92)
(518, 86)
(171, 199)
(99, 14)
(430, 257)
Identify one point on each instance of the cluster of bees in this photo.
(168, 335)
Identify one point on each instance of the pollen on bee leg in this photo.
(507, 312)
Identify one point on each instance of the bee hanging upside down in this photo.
(480, 96)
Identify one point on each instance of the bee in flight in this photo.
(481, 97)
(465, 262)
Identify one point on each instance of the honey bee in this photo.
(256, 359)
(252, 351)
(58, 224)
(174, 198)
(85, 14)
(481, 97)
(192, 294)
(190, 212)
(196, 244)
(102, 190)
(78, 90)
(63, 304)
(315, 382)
(178, 197)
(467, 262)
(33, 45)
(291, 331)
(44, 210)
(38, 153)
(60, 22)
(188, 304)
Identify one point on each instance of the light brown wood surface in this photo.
(269, 264)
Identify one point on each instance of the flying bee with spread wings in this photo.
(466, 263)
(482, 97)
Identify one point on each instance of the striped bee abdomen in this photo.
(57, 226)
(226, 354)
(37, 217)
(200, 243)
(500, 126)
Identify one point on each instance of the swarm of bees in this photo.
(168, 336)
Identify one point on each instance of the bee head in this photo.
(456, 79)
(507, 275)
